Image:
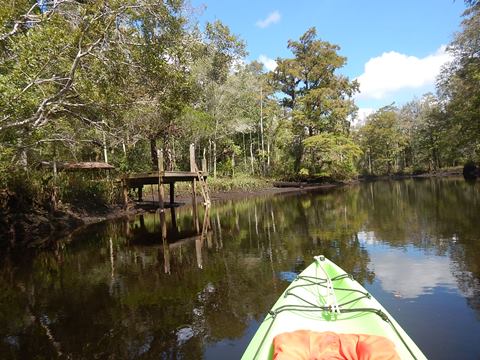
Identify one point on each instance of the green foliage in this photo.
(318, 98)
(458, 86)
(304, 172)
(241, 182)
(381, 141)
(6, 154)
(24, 191)
(83, 192)
(28, 190)
(331, 155)
(137, 158)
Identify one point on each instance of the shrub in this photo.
(83, 193)
(303, 172)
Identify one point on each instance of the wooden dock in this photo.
(168, 177)
(138, 180)
(162, 177)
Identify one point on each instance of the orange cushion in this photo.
(312, 345)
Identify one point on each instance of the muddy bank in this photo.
(457, 171)
(40, 227)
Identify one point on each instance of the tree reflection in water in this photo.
(159, 286)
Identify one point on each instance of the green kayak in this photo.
(323, 298)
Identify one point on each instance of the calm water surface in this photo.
(118, 291)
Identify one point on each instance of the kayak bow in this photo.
(324, 298)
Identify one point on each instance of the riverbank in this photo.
(450, 171)
(40, 227)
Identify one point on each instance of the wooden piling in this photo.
(194, 187)
(193, 169)
(194, 206)
(166, 248)
(172, 193)
(192, 157)
(204, 162)
(161, 173)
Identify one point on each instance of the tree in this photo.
(458, 84)
(318, 98)
(381, 141)
(331, 155)
(431, 141)
(83, 64)
(218, 52)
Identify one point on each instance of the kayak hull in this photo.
(325, 298)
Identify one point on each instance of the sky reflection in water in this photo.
(407, 272)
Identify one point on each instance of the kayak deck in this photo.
(325, 298)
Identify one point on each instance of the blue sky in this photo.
(394, 48)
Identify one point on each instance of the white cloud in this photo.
(403, 273)
(362, 116)
(270, 64)
(392, 71)
(237, 65)
(406, 276)
(272, 18)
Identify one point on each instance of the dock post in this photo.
(194, 186)
(204, 162)
(166, 248)
(193, 170)
(161, 173)
(125, 192)
(172, 193)
(192, 157)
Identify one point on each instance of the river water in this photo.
(121, 290)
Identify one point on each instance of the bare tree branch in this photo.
(17, 24)
(29, 18)
(39, 118)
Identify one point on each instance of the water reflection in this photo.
(150, 230)
(407, 272)
(182, 284)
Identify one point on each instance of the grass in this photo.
(241, 182)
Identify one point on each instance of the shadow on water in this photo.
(191, 285)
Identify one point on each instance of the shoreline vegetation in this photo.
(39, 227)
(95, 89)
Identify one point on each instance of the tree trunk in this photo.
(23, 159)
(54, 160)
(174, 158)
(153, 154)
(261, 130)
(369, 162)
(244, 151)
(210, 154)
(251, 154)
(105, 156)
(214, 159)
(268, 156)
